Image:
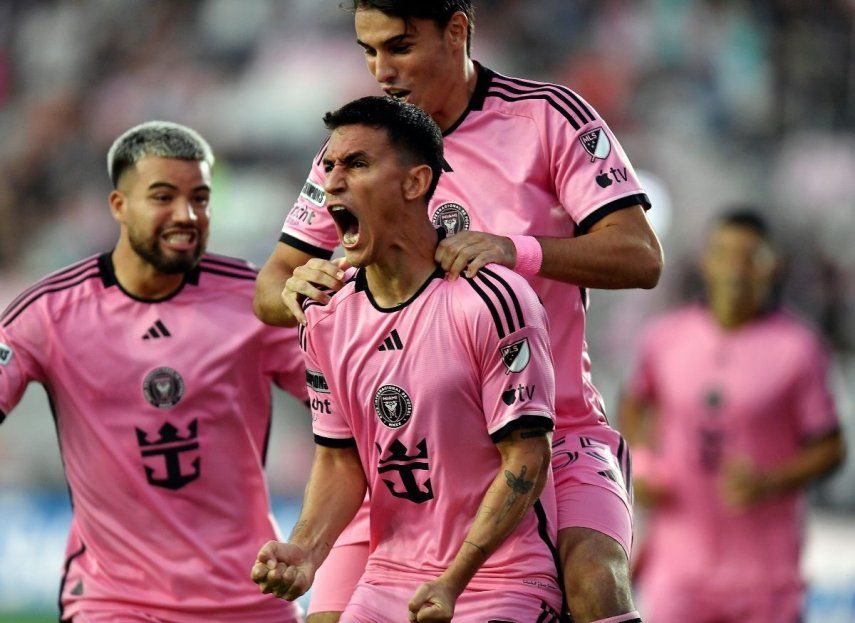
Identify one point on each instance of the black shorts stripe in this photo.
(57, 288)
(536, 96)
(490, 306)
(568, 92)
(305, 247)
(65, 275)
(247, 276)
(543, 532)
(555, 95)
(511, 294)
(524, 421)
(228, 262)
(509, 318)
(66, 568)
(329, 442)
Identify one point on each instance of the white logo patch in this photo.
(516, 356)
(314, 193)
(6, 353)
(596, 143)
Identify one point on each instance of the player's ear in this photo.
(118, 205)
(417, 182)
(457, 30)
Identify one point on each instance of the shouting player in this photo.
(437, 393)
(159, 379)
(533, 180)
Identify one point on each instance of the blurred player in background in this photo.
(159, 379)
(730, 418)
(446, 409)
(533, 164)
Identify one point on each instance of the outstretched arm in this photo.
(619, 251)
(518, 483)
(334, 493)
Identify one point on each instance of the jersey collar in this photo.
(476, 102)
(108, 278)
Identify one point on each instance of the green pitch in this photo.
(28, 618)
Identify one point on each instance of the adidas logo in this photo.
(156, 331)
(393, 342)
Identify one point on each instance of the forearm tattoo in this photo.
(519, 486)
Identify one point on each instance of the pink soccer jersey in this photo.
(526, 158)
(425, 390)
(163, 414)
(758, 392)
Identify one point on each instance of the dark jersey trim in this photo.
(362, 286)
(820, 437)
(66, 569)
(60, 287)
(490, 306)
(543, 532)
(2, 416)
(553, 87)
(225, 273)
(267, 430)
(108, 277)
(228, 262)
(511, 294)
(509, 318)
(476, 102)
(319, 157)
(70, 272)
(535, 96)
(329, 442)
(305, 247)
(553, 96)
(523, 421)
(618, 204)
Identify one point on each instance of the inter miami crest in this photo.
(163, 388)
(393, 406)
(516, 356)
(452, 217)
(596, 143)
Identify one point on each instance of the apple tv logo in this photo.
(618, 175)
(604, 180)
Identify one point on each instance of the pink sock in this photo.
(629, 617)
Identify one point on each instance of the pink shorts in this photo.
(673, 603)
(337, 578)
(593, 483)
(126, 616)
(388, 604)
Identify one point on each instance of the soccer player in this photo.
(159, 379)
(730, 418)
(437, 393)
(533, 180)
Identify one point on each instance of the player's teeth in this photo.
(178, 238)
(350, 237)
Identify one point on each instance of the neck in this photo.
(397, 276)
(460, 92)
(139, 278)
(730, 317)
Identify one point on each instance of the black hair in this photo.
(411, 131)
(748, 217)
(438, 11)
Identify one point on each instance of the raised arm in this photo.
(333, 494)
(525, 455)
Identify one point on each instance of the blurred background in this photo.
(715, 102)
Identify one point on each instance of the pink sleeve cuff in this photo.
(529, 255)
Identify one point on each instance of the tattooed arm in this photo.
(520, 479)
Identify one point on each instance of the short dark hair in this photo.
(411, 131)
(748, 217)
(438, 11)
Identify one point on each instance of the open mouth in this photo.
(180, 239)
(400, 94)
(347, 225)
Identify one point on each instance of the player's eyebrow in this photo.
(347, 159)
(169, 186)
(387, 42)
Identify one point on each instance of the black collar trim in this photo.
(485, 77)
(108, 278)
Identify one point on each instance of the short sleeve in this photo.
(284, 361)
(593, 175)
(328, 425)
(309, 226)
(510, 337)
(813, 403)
(23, 345)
